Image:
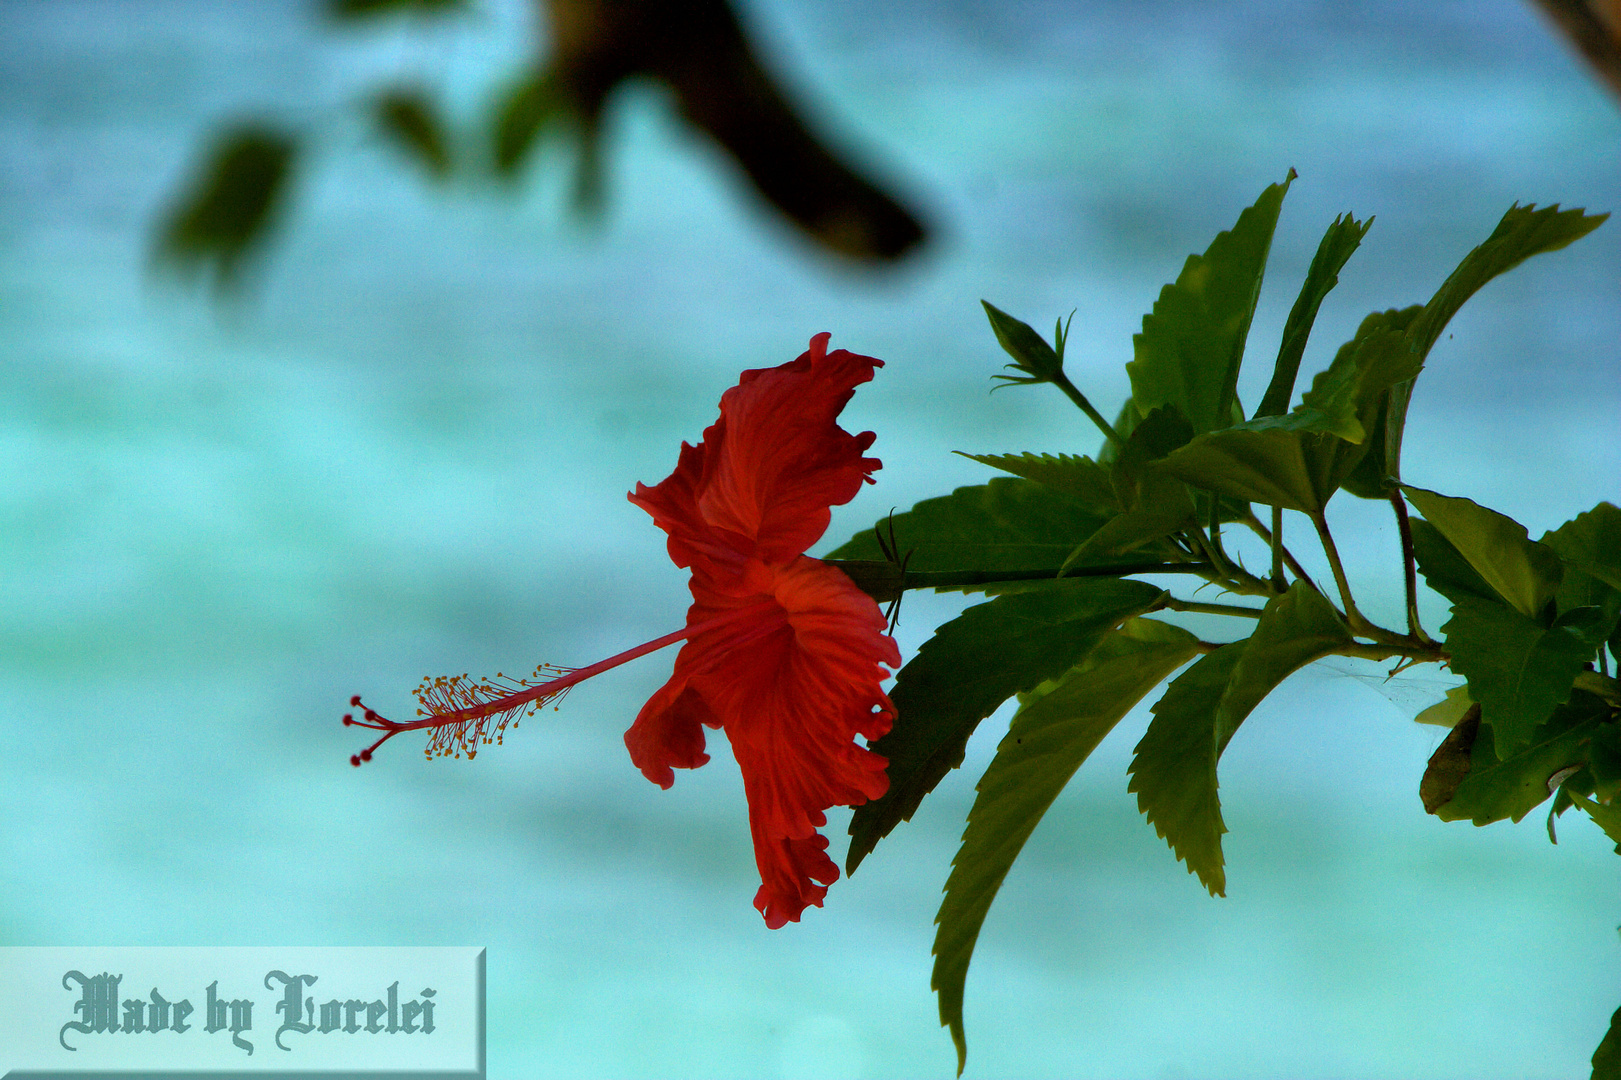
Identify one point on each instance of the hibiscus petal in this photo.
(674, 506)
(761, 482)
(669, 731)
(793, 686)
(784, 651)
(789, 870)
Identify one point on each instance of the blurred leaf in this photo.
(1521, 571)
(1523, 232)
(529, 105)
(969, 667)
(1518, 670)
(230, 205)
(347, 10)
(1337, 246)
(1031, 353)
(1007, 524)
(1080, 477)
(1192, 343)
(1510, 785)
(1607, 1058)
(411, 121)
(1058, 725)
(1174, 770)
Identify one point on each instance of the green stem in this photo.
(885, 581)
(1229, 576)
(1289, 559)
(1430, 655)
(1171, 603)
(1409, 568)
(1061, 381)
(1359, 625)
(956, 579)
(1277, 549)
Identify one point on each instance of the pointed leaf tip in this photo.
(1057, 727)
(1192, 342)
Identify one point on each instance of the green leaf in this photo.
(1523, 232)
(1174, 770)
(1080, 477)
(1338, 244)
(1449, 710)
(1367, 479)
(969, 667)
(410, 120)
(1590, 545)
(1298, 461)
(1152, 437)
(1521, 571)
(1192, 343)
(231, 204)
(1607, 1058)
(1518, 670)
(1164, 511)
(1606, 816)
(521, 114)
(1266, 461)
(1031, 353)
(1510, 785)
(1124, 425)
(1007, 524)
(1058, 725)
(1345, 397)
(1444, 568)
(1155, 504)
(1604, 762)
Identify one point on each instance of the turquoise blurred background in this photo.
(405, 451)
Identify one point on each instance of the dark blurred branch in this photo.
(698, 49)
(1594, 27)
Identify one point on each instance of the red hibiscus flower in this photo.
(782, 651)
